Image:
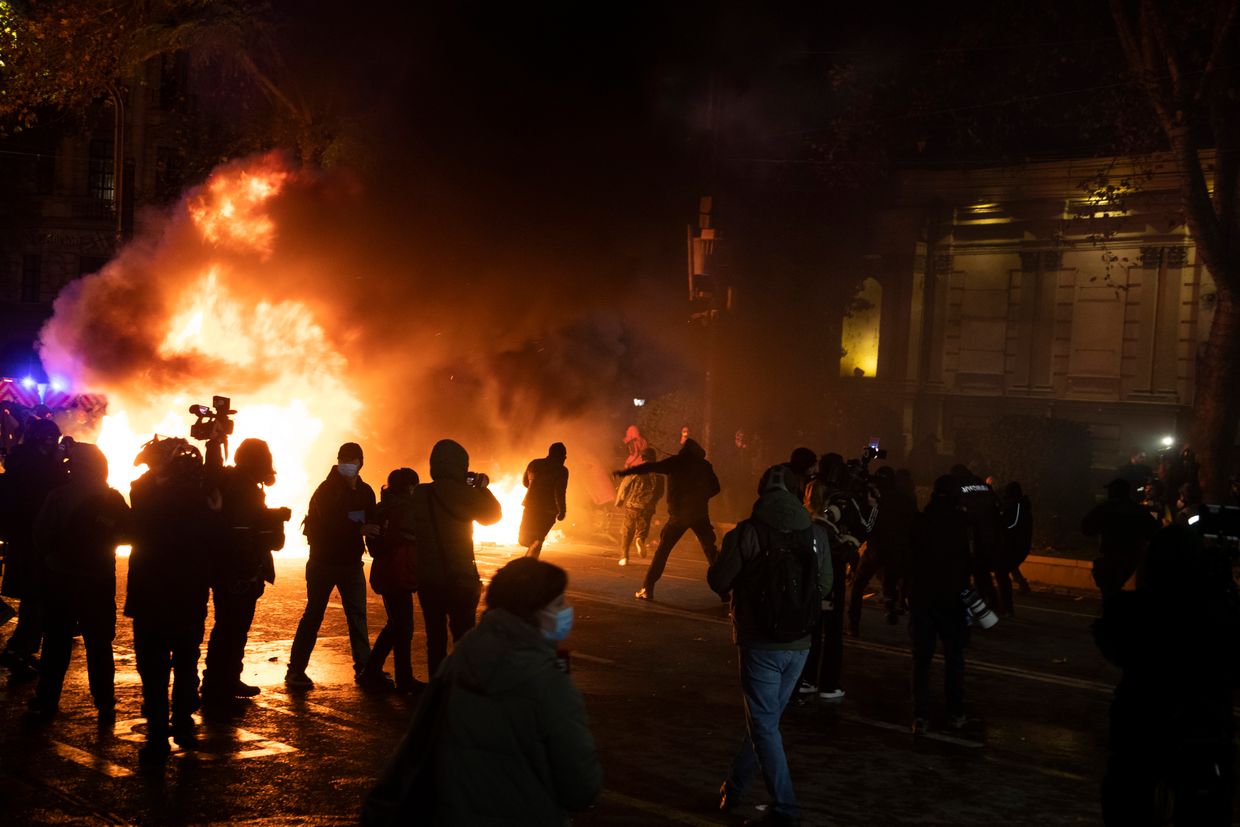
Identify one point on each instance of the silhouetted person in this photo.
(691, 482)
(981, 508)
(1176, 637)
(639, 496)
(339, 509)
(394, 577)
(31, 471)
(1016, 512)
(177, 526)
(1123, 528)
(938, 573)
(887, 547)
(802, 464)
(76, 535)
(504, 721)
(240, 568)
(546, 481)
(772, 635)
(445, 511)
(1136, 471)
(831, 503)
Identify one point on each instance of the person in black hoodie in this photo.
(1176, 637)
(938, 573)
(547, 481)
(338, 512)
(691, 482)
(240, 567)
(444, 513)
(75, 535)
(176, 525)
(1017, 514)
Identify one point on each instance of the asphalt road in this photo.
(661, 686)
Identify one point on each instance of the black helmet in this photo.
(42, 430)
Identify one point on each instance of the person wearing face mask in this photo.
(508, 740)
(338, 512)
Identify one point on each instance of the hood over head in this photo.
(692, 449)
(449, 461)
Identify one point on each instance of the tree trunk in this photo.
(1216, 400)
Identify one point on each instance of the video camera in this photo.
(213, 427)
(872, 452)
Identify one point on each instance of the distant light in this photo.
(57, 385)
(637, 403)
(1168, 441)
(1193, 520)
(28, 383)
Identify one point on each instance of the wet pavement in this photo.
(661, 687)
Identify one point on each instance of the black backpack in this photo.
(781, 585)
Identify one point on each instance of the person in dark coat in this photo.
(639, 496)
(887, 547)
(1176, 637)
(339, 510)
(547, 482)
(176, 526)
(691, 482)
(445, 511)
(981, 508)
(240, 568)
(938, 573)
(1017, 519)
(802, 463)
(394, 577)
(31, 471)
(1123, 528)
(76, 535)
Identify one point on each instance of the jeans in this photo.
(926, 627)
(441, 608)
(395, 637)
(234, 613)
(672, 532)
(350, 581)
(89, 605)
(161, 647)
(768, 679)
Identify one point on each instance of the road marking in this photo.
(589, 658)
(659, 810)
(81, 756)
(881, 648)
(296, 701)
(904, 730)
(258, 746)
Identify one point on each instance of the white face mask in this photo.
(563, 623)
(348, 469)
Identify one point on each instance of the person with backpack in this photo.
(777, 568)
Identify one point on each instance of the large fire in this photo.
(228, 335)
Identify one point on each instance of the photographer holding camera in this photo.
(239, 569)
(335, 521)
(445, 511)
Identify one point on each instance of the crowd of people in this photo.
(795, 572)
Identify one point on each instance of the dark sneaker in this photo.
(375, 681)
(245, 690)
(298, 680)
(920, 726)
(183, 732)
(727, 797)
(154, 753)
(958, 722)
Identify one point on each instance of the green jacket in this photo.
(515, 748)
(784, 512)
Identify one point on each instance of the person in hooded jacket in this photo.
(501, 735)
(938, 572)
(76, 535)
(394, 577)
(240, 567)
(547, 482)
(691, 482)
(177, 524)
(1017, 519)
(339, 511)
(444, 513)
(31, 471)
(639, 496)
(769, 668)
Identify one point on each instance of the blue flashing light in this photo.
(58, 385)
(28, 382)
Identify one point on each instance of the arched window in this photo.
(860, 332)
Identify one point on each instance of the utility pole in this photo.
(709, 296)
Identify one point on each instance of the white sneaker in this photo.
(806, 688)
(832, 695)
(624, 561)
